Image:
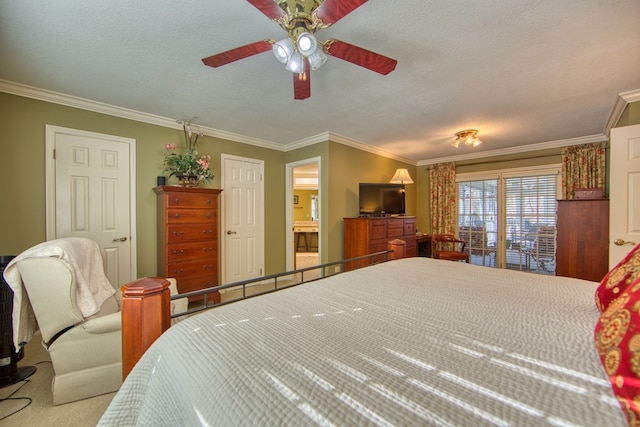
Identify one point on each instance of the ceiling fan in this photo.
(300, 51)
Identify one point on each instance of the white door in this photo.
(90, 194)
(624, 197)
(243, 221)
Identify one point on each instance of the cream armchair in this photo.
(86, 353)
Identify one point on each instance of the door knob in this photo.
(120, 239)
(621, 242)
(231, 232)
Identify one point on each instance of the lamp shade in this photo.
(307, 43)
(283, 50)
(295, 63)
(401, 177)
(317, 59)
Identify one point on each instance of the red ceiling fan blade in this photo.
(359, 56)
(268, 7)
(237, 53)
(302, 82)
(331, 11)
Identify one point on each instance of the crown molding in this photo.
(623, 99)
(72, 101)
(337, 138)
(125, 113)
(517, 150)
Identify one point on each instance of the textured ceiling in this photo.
(521, 72)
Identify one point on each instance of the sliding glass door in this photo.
(508, 218)
(478, 219)
(530, 214)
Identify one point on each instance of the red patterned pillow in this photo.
(618, 278)
(617, 336)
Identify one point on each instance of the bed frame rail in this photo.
(146, 302)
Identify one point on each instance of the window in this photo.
(508, 218)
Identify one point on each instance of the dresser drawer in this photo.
(395, 223)
(395, 232)
(189, 284)
(378, 229)
(409, 227)
(180, 216)
(378, 246)
(182, 252)
(176, 200)
(188, 270)
(186, 233)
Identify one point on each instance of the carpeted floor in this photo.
(30, 401)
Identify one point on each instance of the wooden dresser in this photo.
(582, 248)
(188, 237)
(367, 235)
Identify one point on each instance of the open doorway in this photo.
(303, 219)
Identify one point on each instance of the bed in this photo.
(414, 341)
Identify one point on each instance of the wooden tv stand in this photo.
(367, 235)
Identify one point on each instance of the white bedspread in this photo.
(409, 342)
(92, 285)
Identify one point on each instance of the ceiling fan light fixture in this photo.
(467, 137)
(317, 59)
(283, 50)
(307, 43)
(295, 64)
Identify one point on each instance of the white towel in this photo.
(92, 285)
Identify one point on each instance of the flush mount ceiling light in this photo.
(467, 137)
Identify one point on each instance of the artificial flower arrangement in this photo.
(189, 166)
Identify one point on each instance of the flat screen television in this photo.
(379, 199)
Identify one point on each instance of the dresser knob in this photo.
(180, 252)
(208, 215)
(208, 201)
(177, 201)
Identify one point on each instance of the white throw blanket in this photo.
(92, 285)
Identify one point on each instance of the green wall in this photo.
(348, 167)
(22, 187)
(22, 177)
(302, 211)
(342, 168)
(22, 174)
(320, 150)
(630, 115)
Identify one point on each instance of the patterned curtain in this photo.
(443, 198)
(583, 166)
